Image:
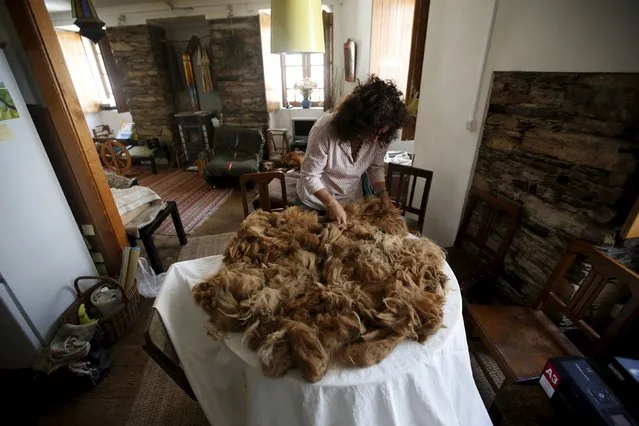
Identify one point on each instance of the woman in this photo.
(348, 143)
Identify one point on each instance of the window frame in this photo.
(306, 73)
(104, 79)
(99, 75)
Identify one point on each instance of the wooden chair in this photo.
(522, 339)
(262, 180)
(472, 258)
(399, 193)
(277, 142)
(102, 132)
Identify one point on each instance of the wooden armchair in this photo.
(522, 339)
(398, 180)
(478, 251)
(262, 180)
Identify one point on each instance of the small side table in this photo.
(139, 153)
(146, 234)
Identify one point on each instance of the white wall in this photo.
(112, 118)
(42, 250)
(282, 119)
(543, 35)
(353, 19)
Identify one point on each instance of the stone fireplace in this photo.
(144, 77)
(564, 146)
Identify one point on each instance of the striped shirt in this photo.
(329, 164)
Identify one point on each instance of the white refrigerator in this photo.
(41, 248)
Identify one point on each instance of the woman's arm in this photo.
(314, 163)
(376, 175)
(311, 171)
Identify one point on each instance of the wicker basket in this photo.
(114, 325)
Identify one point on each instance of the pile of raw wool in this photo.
(306, 294)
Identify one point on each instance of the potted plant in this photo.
(306, 87)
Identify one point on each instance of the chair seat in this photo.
(412, 224)
(467, 270)
(142, 152)
(520, 339)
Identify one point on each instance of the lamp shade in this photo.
(296, 26)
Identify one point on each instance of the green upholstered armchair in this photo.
(236, 151)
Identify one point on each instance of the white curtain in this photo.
(391, 37)
(272, 66)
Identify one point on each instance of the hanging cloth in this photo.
(202, 60)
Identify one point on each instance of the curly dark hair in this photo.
(374, 108)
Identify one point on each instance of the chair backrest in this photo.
(399, 192)
(102, 131)
(277, 143)
(262, 180)
(604, 269)
(479, 235)
(238, 142)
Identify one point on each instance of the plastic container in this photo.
(106, 299)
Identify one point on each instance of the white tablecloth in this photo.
(429, 384)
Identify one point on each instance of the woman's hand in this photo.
(336, 212)
(387, 203)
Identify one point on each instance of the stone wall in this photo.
(238, 72)
(143, 71)
(564, 146)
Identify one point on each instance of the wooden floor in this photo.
(110, 402)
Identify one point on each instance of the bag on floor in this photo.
(148, 282)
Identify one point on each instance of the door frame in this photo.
(70, 145)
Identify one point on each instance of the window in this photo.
(281, 72)
(295, 68)
(87, 70)
(391, 36)
(109, 99)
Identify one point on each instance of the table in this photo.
(428, 384)
(139, 153)
(146, 234)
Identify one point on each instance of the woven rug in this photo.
(208, 245)
(196, 200)
(160, 401)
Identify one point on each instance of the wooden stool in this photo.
(146, 234)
